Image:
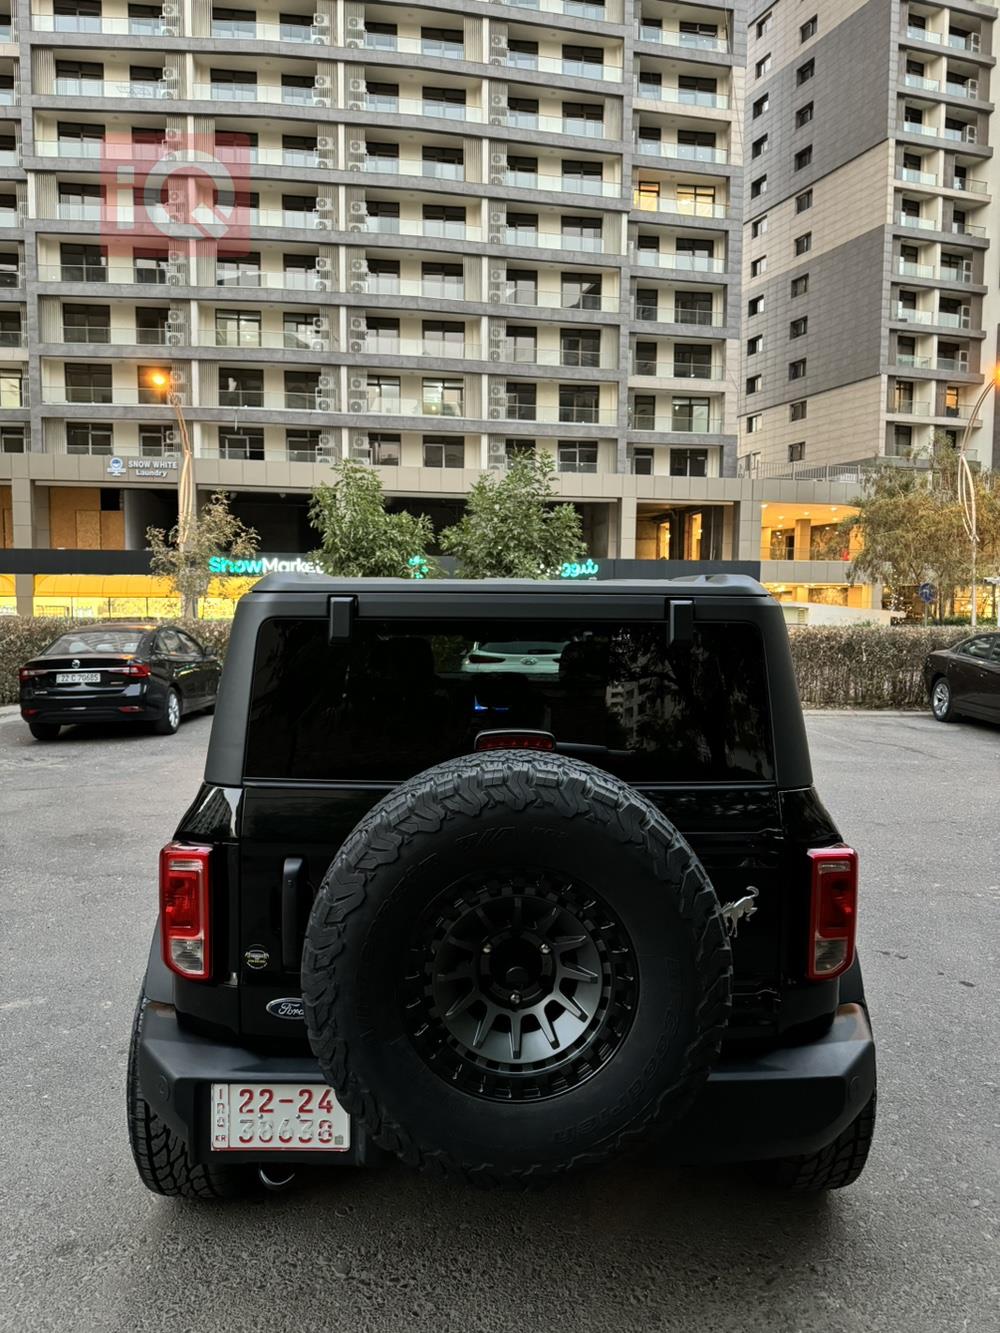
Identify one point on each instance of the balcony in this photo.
(575, 8)
(300, 340)
(691, 41)
(684, 152)
(548, 240)
(394, 166)
(926, 85)
(967, 134)
(683, 263)
(309, 95)
(970, 43)
(607, 71)
(681, 96)
(969, 90)
(64, 87)
(969, 185)
(552, 415)
(696, 208)
(440, 50)
(530, 180)
(291, 400)
(112, 334)
(529, 120)
(915, 127)
(968, 229)
(910, 407)
(914, 220)
(441, 289)
(914, 177)
(379, 405)
(910, 316)
(428, 347)
(953, 319)
(527, 355)
(115, 27)
(677, 370)
(677, 423)
(406, 106)
(457, 231)
(246, 30)
(554, 298)
(100, 395)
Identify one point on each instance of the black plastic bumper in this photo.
(789, 1101)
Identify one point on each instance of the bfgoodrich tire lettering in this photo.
(505, 824)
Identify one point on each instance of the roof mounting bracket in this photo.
(681, 621)
(342, 611)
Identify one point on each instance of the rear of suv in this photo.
(503, 923)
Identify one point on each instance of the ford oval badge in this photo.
(290, 1007)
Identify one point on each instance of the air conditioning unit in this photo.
(322, 81)
(356, 345)
(322, 224)
(355, 42)
(358, 285)
(499, 101)
(322, 264)
(359, 206)
(169, 156)
(175, 256)
(355, 24)
(171, 134)
(358, 86)
(175, 339)
(358, 384)
(325, 144)
(325, 440)
(169, 74)
(498, 160)
(323, 204)
(317, 345)
(496, 354)
(177, 378)
(175, 280)
(496, 412)
(357, 146)
(321, 285)
(320, 21)
(320, 323)
(324, 382)
(324, 405)
(175, 316)
(170, 436)
(497, 275)
(169, 30)
(358, 324)
(320, 101)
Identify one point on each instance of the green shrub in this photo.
(858, 666)
(22, 638)
(866, 666)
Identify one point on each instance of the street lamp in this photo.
(186, 509)
(966, 484)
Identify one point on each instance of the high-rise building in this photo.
(423, 237)
(870, 293)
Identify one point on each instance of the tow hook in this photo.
(276, 1178)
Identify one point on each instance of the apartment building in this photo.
(445, 232)
(870, 292)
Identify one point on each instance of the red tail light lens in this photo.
(184, 910)
(136, 669)
(515, 740)
(833, 912)
(29, 673)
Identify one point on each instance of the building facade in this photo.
(870, 293)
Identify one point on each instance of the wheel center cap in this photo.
(517, 976)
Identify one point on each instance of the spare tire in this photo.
(514, 966)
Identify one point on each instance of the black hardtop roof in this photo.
(700, 585)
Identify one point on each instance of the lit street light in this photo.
(186, 507)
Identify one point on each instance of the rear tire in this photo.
(171, 719)
(832, 1168)
(161, 1158)
(44, 731)
(942, 705)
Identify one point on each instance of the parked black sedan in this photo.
(964, 681)
(118, 672)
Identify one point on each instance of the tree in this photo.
(909, 522)
(215, 531)
(512, 527)
(360, 538)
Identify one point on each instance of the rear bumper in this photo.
(789, 1101)
(109, 708)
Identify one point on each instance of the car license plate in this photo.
(278, 1117)
(78, 677)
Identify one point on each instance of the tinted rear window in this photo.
(399, 697)
(96, 641)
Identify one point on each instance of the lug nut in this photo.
(515, 997)
(545, 949)
(487, 948)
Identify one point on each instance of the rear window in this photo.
(96, 641)
(398, 697)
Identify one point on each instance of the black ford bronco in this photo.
(501, 878)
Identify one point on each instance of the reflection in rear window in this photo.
(399, 697)
(96, 641)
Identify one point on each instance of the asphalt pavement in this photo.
(914, 1245)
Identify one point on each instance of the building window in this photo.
(804, 115)
(515, 448)
(755, 306)
(761, 105)
(11, 439)
(759, 226)
(798, 327)
(689, 462)
(89, 437)
(642, 462)
(758, 266)
(759, 146)
(753, 383)
(808, 28)
(443, 451)
(797, 369)
(302, 445)
(763, 66)
(803, 243)
(803, 157)
(805, 72)
(800, 285)
(155, 441)
(443, 398)
(755, 345)
(245, 442)
(758, 187)
(798, 411)
(796, 452)
(803, 201)
(384, 448)
(576, 456)
(754, 423)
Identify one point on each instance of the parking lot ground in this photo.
(914, 1246)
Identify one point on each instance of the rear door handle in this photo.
(292, 888)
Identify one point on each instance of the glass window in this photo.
(980, 647)
(95, 641)
(89, 437)
(384, 448)
(577, 456)
(399, 697)
(443, 451)
(444, 398)
(246, 442)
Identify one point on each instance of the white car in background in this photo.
(533, 657)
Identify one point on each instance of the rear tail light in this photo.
(29, 673)
(515, 740)
(483, 657)
(833, 912)
(184, 910)
(137, 669)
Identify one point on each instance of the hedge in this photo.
(860, 666)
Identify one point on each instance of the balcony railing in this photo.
(676, 423)
(457, 231)
(135, 89)
(532, 180)
(913, 220)
(381, 345)
(554, 298)
(101, 394)
(915, 177)
(124, 27)
(441, 50)
(970, 89)
(526, 355)
(607, 71)
(692, 41)
(394, 166)
(547, 240)
(913, 407)
(407, 106)
(968, 229)
(386, 284)
(303, 340)
(680, 96)
(114, 334)
(576, 8)
(953, 319)
(967, 134)
(970, 185)
(698, 208)
(293, 400)
(917, 81)
(550, 414)
(528, 120)
(248, 31)
(309, 95)
(685, 152)
(970, 43)
(914, 316)
(683, 263)
(413, 407)
(907, 269)
(678, 370)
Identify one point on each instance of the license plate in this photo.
(278, 1117)
(78, 677)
